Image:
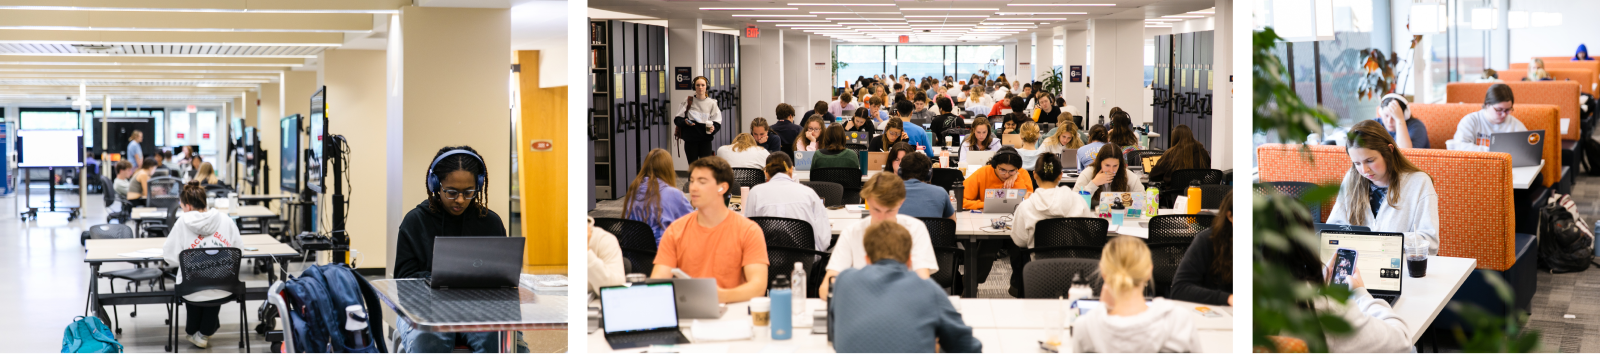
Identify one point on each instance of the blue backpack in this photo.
(89, 335)
(317, 301)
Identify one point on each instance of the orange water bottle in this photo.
(1194, 197)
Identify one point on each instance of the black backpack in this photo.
(1565, 243)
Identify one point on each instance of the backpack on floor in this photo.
(320, 303)
(1565, 242)
(87, 334)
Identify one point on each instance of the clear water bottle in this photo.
(799, 290)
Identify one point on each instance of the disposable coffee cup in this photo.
(761, 311)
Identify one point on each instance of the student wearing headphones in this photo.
(701, 118)
(457, 184)
(1394, 110)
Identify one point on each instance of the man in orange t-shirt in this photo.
(712, 241)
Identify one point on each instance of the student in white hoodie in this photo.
(1384, 191)
(605, 259)
(1375, 327)
(1474, 130)
(199, 227)
(1127, 324)
(1047, 202)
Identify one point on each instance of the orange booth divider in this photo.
(1442, 120)
(1562, 94)
(1584, 78)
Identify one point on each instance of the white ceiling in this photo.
(936, 20)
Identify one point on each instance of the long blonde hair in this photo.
(743, 142)
(1071, 131)
(1537, 72)
(1371, 135)
(657, 167)
(206, 174)
(1125, 265)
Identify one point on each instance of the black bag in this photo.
(1565, 243)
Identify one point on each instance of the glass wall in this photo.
(921, 60)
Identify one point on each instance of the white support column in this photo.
(1024, 73)
(763, 76)
(1118, 78)
(821, 68)
(1044, 54)
(796, 83)
(685, 45)
(1075, 52)
(1222, 95)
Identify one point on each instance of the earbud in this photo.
(720, 190)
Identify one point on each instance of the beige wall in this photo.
(356, 110)
(453, 90)
(270, 141)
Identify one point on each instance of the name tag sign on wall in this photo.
(542, 145)
(682, 78)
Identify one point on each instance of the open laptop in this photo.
(641, 315)
(858, 137)
(1069, 160)
(1002, 201)
(477, 262)
(696, 297)
(975, 158)
(1340, 227)
(876, 160)
(1526, 148)
(802, 160)
(1379, 258)
(1013, 140)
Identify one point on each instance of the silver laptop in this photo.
(1002, 201)
(696, 297)
(641, 315)
(802, 160)
(477, 262)
(974, 158)
(1526, 148)
(1379, 256)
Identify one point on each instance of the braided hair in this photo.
(461, 162)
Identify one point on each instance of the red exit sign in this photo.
(752, 32)
(905, 39)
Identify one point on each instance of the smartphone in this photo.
(1344, 265)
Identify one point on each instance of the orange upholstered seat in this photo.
(1442, 120)
(1583, 77)
(1562, 94)
(1285, 345)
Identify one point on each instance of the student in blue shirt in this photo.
(886, 308)
(1393, 109)
(1097, 138)
(918, 137)
(653, 197)
(923, 200)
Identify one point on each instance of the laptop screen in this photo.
(638, 307)
(1375, 253)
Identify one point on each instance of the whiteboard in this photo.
(50, 148)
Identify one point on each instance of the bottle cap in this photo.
(780, 281)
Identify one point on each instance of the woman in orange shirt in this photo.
(1004, 171)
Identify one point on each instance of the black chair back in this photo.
(210, 269)
(110, 194)
(856, 147)
(942, 235)
(1069, 238)
(832, 194)
(1211, 195)
(949, 178)
(1136, 157)
(790, 241)
(849, 178)
(1052, 278)
(637, 241)
(1296, 190)
(217, 191)
(1170, 236)
(110, 231)
(163, 192)
(747, 177)
(1178, 183)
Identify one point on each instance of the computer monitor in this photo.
(316, 140)
(251, 146)
(235, 139)
(289, 170)
(50, 148)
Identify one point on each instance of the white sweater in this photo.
(1417, 214)
(1046, 203)
(201, 229)
(605, 259)
(1377, 328)
(1477, 124)
(1165, 327)
(705, 111)
(752, 157)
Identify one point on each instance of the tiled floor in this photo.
(1576, 294)
(44, 286)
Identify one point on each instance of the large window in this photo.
(55, 120)
(921, 60)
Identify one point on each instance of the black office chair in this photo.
(856, 147)
(113, 198)
(163, 192)
(1136, 158)
(1052, 278)
(790, 241)
(1211, 195)
(1296, 190)
(160, 228)
(1178, 183)
(217, 190)
(949, 178)
(848, 178)
(134, 276)
(832, 194)
(1069, 238)
(1169, 238)
(209, 269)
(627, 266)
(748, 177)
(637, 240)
(942, 235)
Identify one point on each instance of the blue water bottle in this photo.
(782, 308)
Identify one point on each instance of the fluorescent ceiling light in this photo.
(872, 23)
(948, 9)
(966, 25)
(835, 4)
(1062, 5)
(1483, 18)
(953, 16)
(1206, 12)
(774, 15)
(858, 13)
(792, 21)
(161, 55)
(1152, 26)
(1027, 19)
(76, 28)
(1039, 13)
(1183, 16)
(1428, 18)
(883, 30)
(746, 8)
(281, 11)
(183, 44)
(1546, 19)
(945, 21)
(804, 25)
(864, 18)
(1161, 20)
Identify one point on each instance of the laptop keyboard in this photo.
(461, 305)
(1391, 299)
(650, 337)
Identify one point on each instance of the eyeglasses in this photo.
(451, 194)
(1502, 111)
